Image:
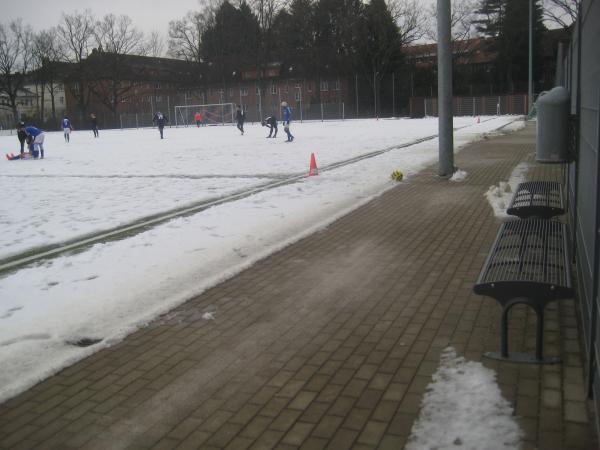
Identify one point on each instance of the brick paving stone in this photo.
(314, 349)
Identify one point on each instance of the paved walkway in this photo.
(329, 343)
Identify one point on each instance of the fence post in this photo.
(300, 90)
(321, 111)
(393, 96)
(343, 112)
(498, 109)
(120, 120)
(137, 125)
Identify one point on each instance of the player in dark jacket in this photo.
(94, 123)
(22, 135)
(160, 120)
(239, 118)
(287, 118)
(270, 122)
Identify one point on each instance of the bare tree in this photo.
(265, 11)
(154, 45)
(411, 18)
(117, 39)
(185, 35)
(46, 59)
(76, 34)
(462, 15)
(116, 34)
(16, 56)
(561, 12)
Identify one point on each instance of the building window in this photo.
(231, 92)
(285, 89)
(257, 90)
(298, 86)
(298, 95)
(244, 92)
(309, 86)
(324, 86)
(158, 98)
(336, 85)
(157, 85)
(273, 88)
(61, 100)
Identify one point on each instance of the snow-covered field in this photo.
(90, 185)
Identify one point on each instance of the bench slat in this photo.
(542, 199)
(528, 258)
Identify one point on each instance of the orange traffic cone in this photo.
(313, 166)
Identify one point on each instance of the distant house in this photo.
(473, 65)
(132, 88)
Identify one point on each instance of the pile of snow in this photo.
(464, 408)
(459, 175)
(500, 196)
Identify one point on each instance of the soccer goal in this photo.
(212, 114)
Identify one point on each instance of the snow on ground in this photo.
(113, 288)
(464, 408)
(500, 196)
(458, 176)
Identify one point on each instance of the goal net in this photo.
(211, 114)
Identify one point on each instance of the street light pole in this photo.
(444, 59)
(530, 79)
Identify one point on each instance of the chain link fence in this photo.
(330, 97)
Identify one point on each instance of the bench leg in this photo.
(539, 337)
(504, 332)
(539, 334)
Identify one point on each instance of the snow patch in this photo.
(464, 408)
(458, 176)
(500, 196)
(208, 316)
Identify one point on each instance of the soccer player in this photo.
(287, 118)
(94, 121)
(21, 135)
(66, 126)
(239, 118)
(198, 118)
(160, 120)
(270, 122)
(36, 137)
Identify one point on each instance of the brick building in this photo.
(126, 90)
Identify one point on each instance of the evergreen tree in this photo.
(379, 44)
(491, 14)
(234, 33)
(507, 22)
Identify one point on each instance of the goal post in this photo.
(212, 114)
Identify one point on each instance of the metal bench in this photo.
(539, 199)
(528, 264)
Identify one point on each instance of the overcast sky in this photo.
(147, 15)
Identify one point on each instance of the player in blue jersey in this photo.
(287, 118)
(66, 127)
(36, 138)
